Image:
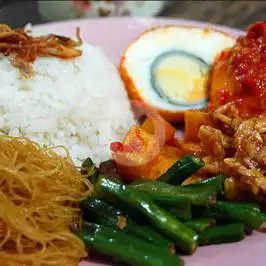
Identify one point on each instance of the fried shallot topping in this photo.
(26, 48)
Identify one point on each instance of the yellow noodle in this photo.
(39, 196)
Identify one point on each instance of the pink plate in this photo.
(114, 35)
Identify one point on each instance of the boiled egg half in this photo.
(168, 67)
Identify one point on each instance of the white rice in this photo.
(79, 103)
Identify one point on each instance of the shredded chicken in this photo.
(238, 147)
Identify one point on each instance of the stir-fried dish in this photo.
(237, 147)
(233, 134)
(161, 194)
(39, 205)
(230, 135)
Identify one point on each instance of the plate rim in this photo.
(128, 19)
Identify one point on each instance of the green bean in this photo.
(222, 234)
(124, 247)
(100, 212)
(182, 169)
(183, 237)
(162, 193)
(201, 224)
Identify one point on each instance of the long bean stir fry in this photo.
(153, 222)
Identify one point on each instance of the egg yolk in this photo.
(181, 79)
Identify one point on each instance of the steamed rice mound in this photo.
(79, 103)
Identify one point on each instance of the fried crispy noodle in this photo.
(39, 205)
(27, 48)
(237, 147)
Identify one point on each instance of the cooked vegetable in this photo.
(248, 214)
(88, 168)
(109, 169)
(155, 124)
(130, 211)
(182, 169)
(222, 234)
(201, 224)
(200, 194)
(180, 211)
(167, 156)
(194, 119)
(98, 211)
(217, 181)
(182, 236)
(136, 155)
(248, 230)
(142, 156)
(124, 247)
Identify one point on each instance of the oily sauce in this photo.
(245, 68)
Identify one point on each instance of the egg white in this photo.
(203, 43)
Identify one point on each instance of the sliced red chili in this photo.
(116, 146)
(120, 147)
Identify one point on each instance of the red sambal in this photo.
(239, 74)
